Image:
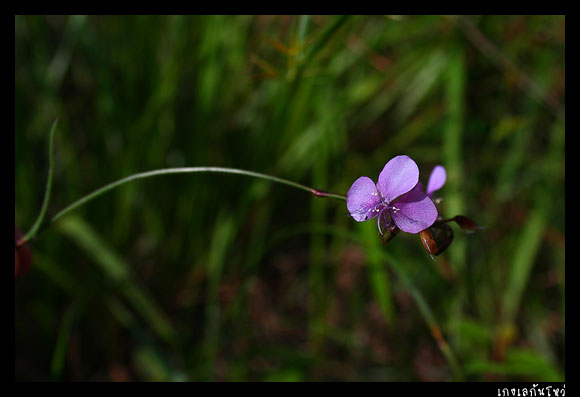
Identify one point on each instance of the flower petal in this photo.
(418, 186)
(363, 200)
(414, 212)
(399, 176)
(436, 179)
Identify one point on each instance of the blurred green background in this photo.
(221, 277)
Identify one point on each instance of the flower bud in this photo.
(466, 224)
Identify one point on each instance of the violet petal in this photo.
(418, 186)
(363, 200)
(414, 212)
(436, 179)
(399, 176)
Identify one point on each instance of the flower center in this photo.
(383, 206)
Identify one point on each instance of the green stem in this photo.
(36, 226)
(181, 170)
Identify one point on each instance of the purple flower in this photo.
(394, 199)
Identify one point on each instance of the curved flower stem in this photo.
(182, 170)
(36, 226)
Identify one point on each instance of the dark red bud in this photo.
(22, 257)
(466, 224)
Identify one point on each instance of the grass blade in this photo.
(62, 342)
(118, 271)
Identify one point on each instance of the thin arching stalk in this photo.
(183, 170)
(36, 226)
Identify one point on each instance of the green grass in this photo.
(210, 276)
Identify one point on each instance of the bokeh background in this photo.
(221, 277)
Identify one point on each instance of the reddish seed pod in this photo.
(437, 238)
(443, 235)
(22, 257)
(428, 242)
